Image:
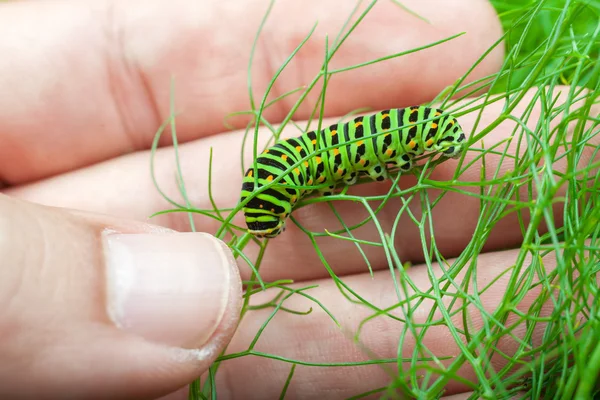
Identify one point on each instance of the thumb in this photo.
(92, 307)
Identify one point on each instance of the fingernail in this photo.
(167, 288)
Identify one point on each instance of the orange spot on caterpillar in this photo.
(249, 174)
(340, 171)
(321, 179)
(269, 178)
(306, 163)
(284, 157)
(384, 116)
(357, 124)
(260, 206)
(389, 152)
(333, 132)
(361, 142)
(433, 125)
(437, 113)
(318, 160)
(310, 181)
(451, 122)
(412, 144)
(414, 110)
(429, 142)
(362, 161)
(272, 210)
(298, 148)
(297, 171)
(293, 199)
(314, 141)
(336, 151)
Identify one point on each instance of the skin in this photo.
(79, 138)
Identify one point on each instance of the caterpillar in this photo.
(367, 145)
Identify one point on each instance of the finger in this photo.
(94, 83)
(101, 308)
(124, 187)
(315, 338)
(468, 395)
(459, 396)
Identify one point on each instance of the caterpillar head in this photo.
(267, 226)
(266, 212)
(449, 140)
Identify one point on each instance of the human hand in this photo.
(96, 88)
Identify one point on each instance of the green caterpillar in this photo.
(390, 137)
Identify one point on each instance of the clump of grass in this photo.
(549, 43)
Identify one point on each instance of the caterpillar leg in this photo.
(378, 173)
(351, 179)
(404, 162)
(327, 191)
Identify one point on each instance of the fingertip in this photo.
(169, 288)
(87, 308)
